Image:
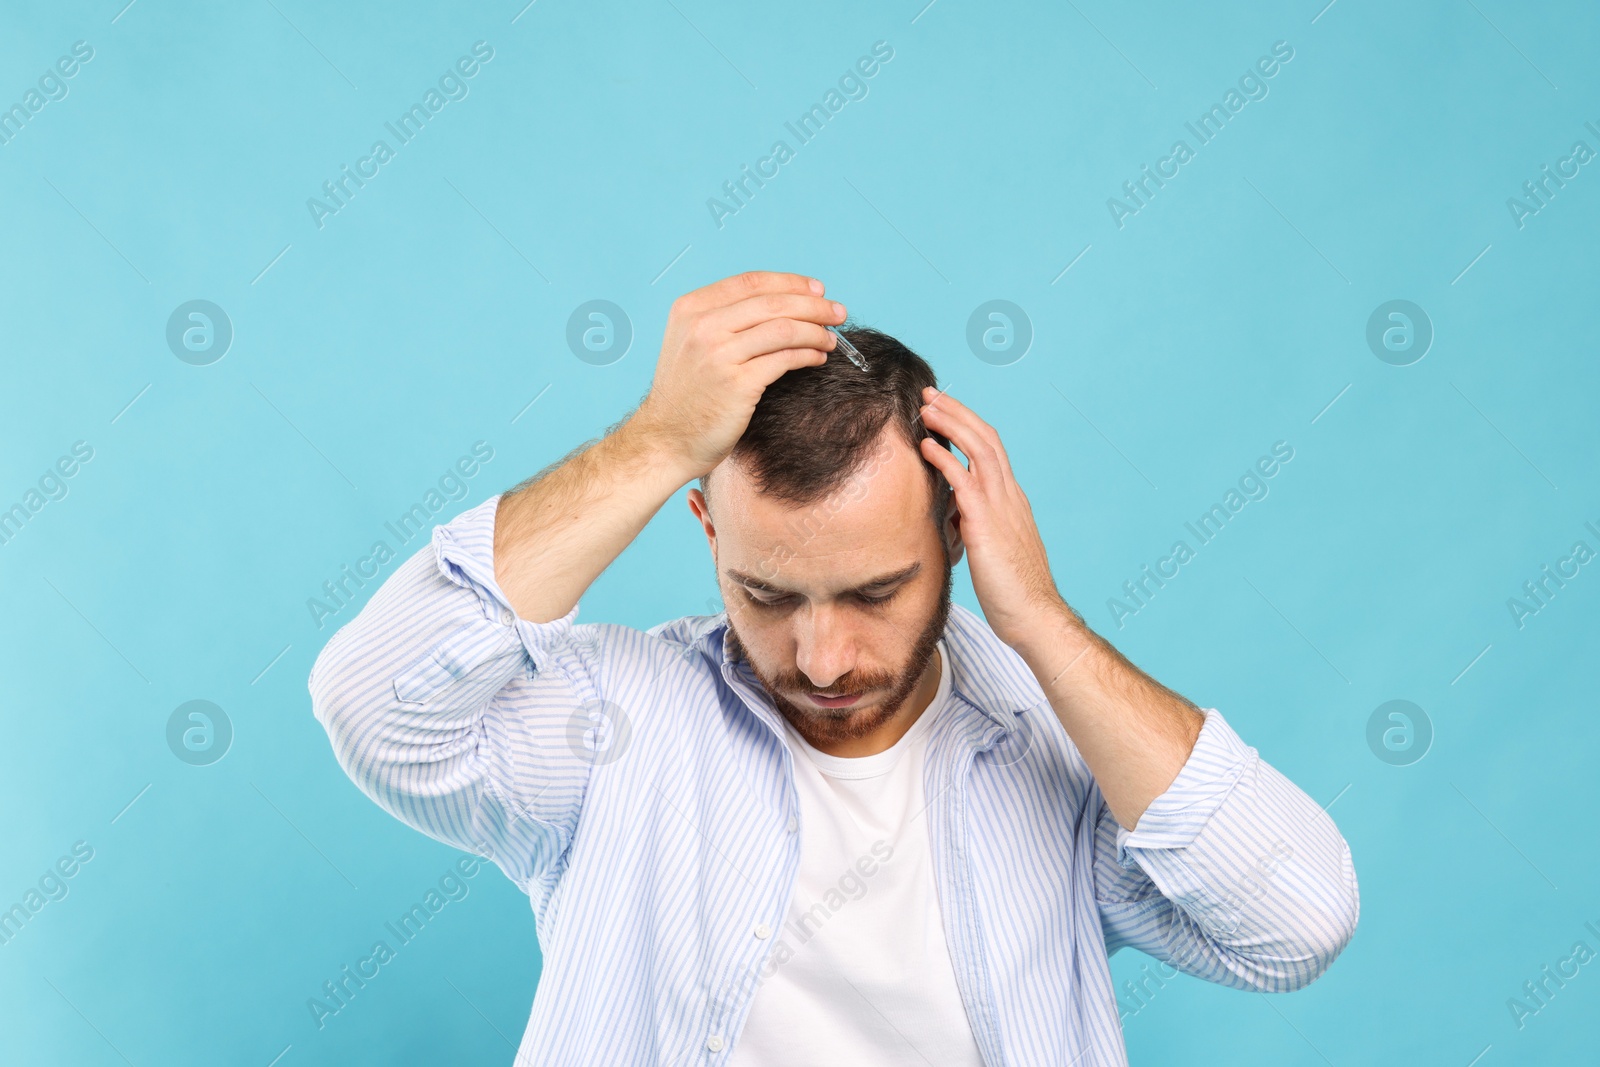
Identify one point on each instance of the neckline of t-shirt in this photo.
(881, 763)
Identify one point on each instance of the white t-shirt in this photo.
(860, 973)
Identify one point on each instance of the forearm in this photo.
(556, 533)
(1134, 733)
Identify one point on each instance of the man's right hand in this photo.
(724, 344)
(556, 533)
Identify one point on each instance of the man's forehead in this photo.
(862, 533)
(888, 471)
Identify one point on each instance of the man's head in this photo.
(834, 539)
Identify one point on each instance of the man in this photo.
(843, 821)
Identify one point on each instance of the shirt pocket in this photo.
(446, 662)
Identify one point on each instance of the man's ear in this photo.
(950, 530)
(702, 511)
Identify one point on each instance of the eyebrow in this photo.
(750, 581)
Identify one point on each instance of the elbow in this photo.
(337, 699)
(1340, 922)
(322, 683)
(1320, 948)
(1294, 941)
(1319, 934)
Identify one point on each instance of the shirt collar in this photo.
(984, 671)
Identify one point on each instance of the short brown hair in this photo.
(814, 427)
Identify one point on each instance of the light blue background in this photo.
(427, 314)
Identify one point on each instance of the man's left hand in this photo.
(1010, 572)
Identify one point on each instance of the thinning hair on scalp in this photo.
(815, 426)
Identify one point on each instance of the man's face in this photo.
(845, 598)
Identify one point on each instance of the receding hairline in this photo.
(939, 488)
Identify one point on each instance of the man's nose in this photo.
(824, 646)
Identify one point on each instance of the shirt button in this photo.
(794, 824)
(763, 931)
(714, 1042)
(507, 616)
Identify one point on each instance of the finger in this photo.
(739, 287)
(758, 309)
(775, 335)
(963, 414)
(983, 432)
(971, 434)
(769, 367)
(945, 463)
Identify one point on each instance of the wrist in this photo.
(640, 441)
(1056, 640)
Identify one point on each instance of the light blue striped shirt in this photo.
(635, 784)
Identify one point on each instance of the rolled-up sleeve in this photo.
(1233, 874)
(452, 713)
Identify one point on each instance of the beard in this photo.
(835, 725)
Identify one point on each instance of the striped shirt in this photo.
(636, 786)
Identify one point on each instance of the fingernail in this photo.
(816, 287)
(838, 309)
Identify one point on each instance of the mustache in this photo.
(794, 681)
(858, 684)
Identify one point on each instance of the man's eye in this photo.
(786, 601)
